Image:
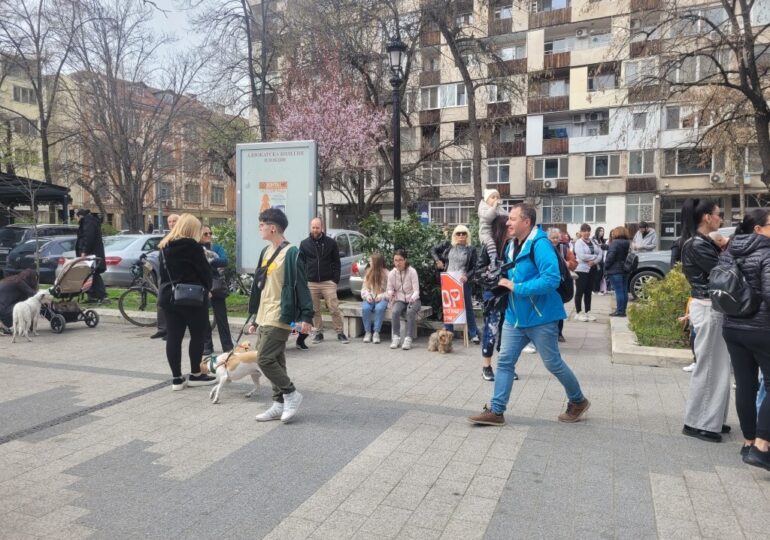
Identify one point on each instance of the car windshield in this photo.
(116, 243)
(29, 246)
(10, 236)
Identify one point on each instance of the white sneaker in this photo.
(395, 342)
(368, 337)
(290, 405)
(273, 413)
(530, 349)
(407, 344)
(590, 317)
(376, 337)
(581, 317)
(689, 368)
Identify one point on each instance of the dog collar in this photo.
(212, 364)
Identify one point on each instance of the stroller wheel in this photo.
(57, 324)
(91, 318)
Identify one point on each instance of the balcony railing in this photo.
(507, 67)
(556, 146)
(430, 78)
(650, 47)
(644, 94)
(430, 39)
(547, 104)
(645, 5)
(550, 18)
(502, 26)
(506, 149)
(535, 187)
(497, 110)
(636, 184)
(556, 61)
(430, 117)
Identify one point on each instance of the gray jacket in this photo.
(584, 255)
(646, 243)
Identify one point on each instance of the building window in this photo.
(510, 133)
(503, 12)
(557, 168)
(499, 94)
(165, 160)
(639, 120)
(641, 162)
(601, 82)
(689, 161)
(23, 127)
(447, 173)
(190, 163)
(498, 171)
(639, 207)
(749, 160)
(602, 165)
(431, 63)
(556, 46)
(24, 157)
(166, 191)
(192, 193)
(640, 71)
(512, 52)
(672, 118)
(574, 210)
(24, 95)
(556, 88)
(447, 95)
(464, 19)
(462, 133)
(408, 138)
(451, 212)
(217, 195)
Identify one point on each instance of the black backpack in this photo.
(729, 291)
(631, 263)
(566, 288)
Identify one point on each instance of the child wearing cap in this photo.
(489, 208)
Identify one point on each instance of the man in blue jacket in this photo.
(533, 314)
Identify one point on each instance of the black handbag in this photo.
(219, 287)
(184, 294)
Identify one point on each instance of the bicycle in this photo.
(141, 296)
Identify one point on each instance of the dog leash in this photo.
(238, 340)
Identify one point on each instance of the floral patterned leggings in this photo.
(492, 323)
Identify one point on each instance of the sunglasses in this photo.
(207, 234)
(461, 234)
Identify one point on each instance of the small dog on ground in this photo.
(441, 341)
(27, 313)
(242, 362)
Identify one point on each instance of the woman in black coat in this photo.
(90, 242)
(183, 261)
(746, 337)
(613, 267)
(15, 289)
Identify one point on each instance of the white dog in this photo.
(242, 362)
(27, 313)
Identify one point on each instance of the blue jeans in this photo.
(545, 338)
(376, 308)
(473, 330)
(620, 287)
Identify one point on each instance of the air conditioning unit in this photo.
(549, 183)
(717, 178)
(578, 118)
(595, 116)
(581, 33)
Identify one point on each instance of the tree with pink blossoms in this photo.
(319, 104)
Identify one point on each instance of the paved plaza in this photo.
(94, 444)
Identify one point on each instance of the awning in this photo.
(16, 190)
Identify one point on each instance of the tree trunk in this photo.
(761, 125)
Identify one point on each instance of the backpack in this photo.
(566, 288)
(631, 263)
(729, 291)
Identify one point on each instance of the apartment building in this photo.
(566, 124)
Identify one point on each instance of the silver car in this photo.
(349, 244)
(120, 252)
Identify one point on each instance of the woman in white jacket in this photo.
(589, 255)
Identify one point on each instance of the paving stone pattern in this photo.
(380, 449)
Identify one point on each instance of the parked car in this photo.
(120, 252)
(48, 251)
(654, 265)
(349, 244)
(13, 235)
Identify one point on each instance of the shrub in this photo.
(225, 236)
(108, 230)
(654, 319)
(417, 239)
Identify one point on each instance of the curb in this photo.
(625, 349)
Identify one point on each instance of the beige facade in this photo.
(19, 137)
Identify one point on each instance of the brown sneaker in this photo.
(487, 418)
(574, 411)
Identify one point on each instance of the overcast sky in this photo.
(173, 20)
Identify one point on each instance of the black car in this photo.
(13, 235)
(48, 250)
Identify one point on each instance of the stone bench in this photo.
(353, 323)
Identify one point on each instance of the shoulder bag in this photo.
(184, 294)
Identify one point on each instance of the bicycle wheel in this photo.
(139, 306)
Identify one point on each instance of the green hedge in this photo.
(654, 319)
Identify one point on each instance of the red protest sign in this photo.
(452, 298)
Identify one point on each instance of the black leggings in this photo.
(583, 289)
(750, 352)
(177, 320)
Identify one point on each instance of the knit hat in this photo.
(489, 192)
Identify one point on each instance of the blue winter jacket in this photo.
(535, 299)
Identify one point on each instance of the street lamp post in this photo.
(396, 49)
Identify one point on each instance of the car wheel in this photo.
(638, 281)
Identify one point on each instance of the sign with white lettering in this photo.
(273, 175)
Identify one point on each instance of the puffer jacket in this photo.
(754, 249)
(699, 256)
(616, 256)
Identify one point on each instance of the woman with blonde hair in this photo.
(459, 256)
(183, 261)
(374, 297)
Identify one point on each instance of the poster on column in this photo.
(280, 175)
(452, 298)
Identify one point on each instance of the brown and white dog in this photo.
(27, 313)
(242, 362)
(441, 341)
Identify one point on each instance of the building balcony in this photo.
(430, 153)
(644, 94)
(498, 110)
(650, 47)
(506, 149)
(507, 67)
(497, 28)
(547, 104)
(550, 18)
(635, 184)
(557, 60)
(536, 188)
(430, 78)
(428, 193)
(556, 146)
(430, 38)
(503, 189)
(645, 5)
(430, 117)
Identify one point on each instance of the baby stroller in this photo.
(75, 279)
